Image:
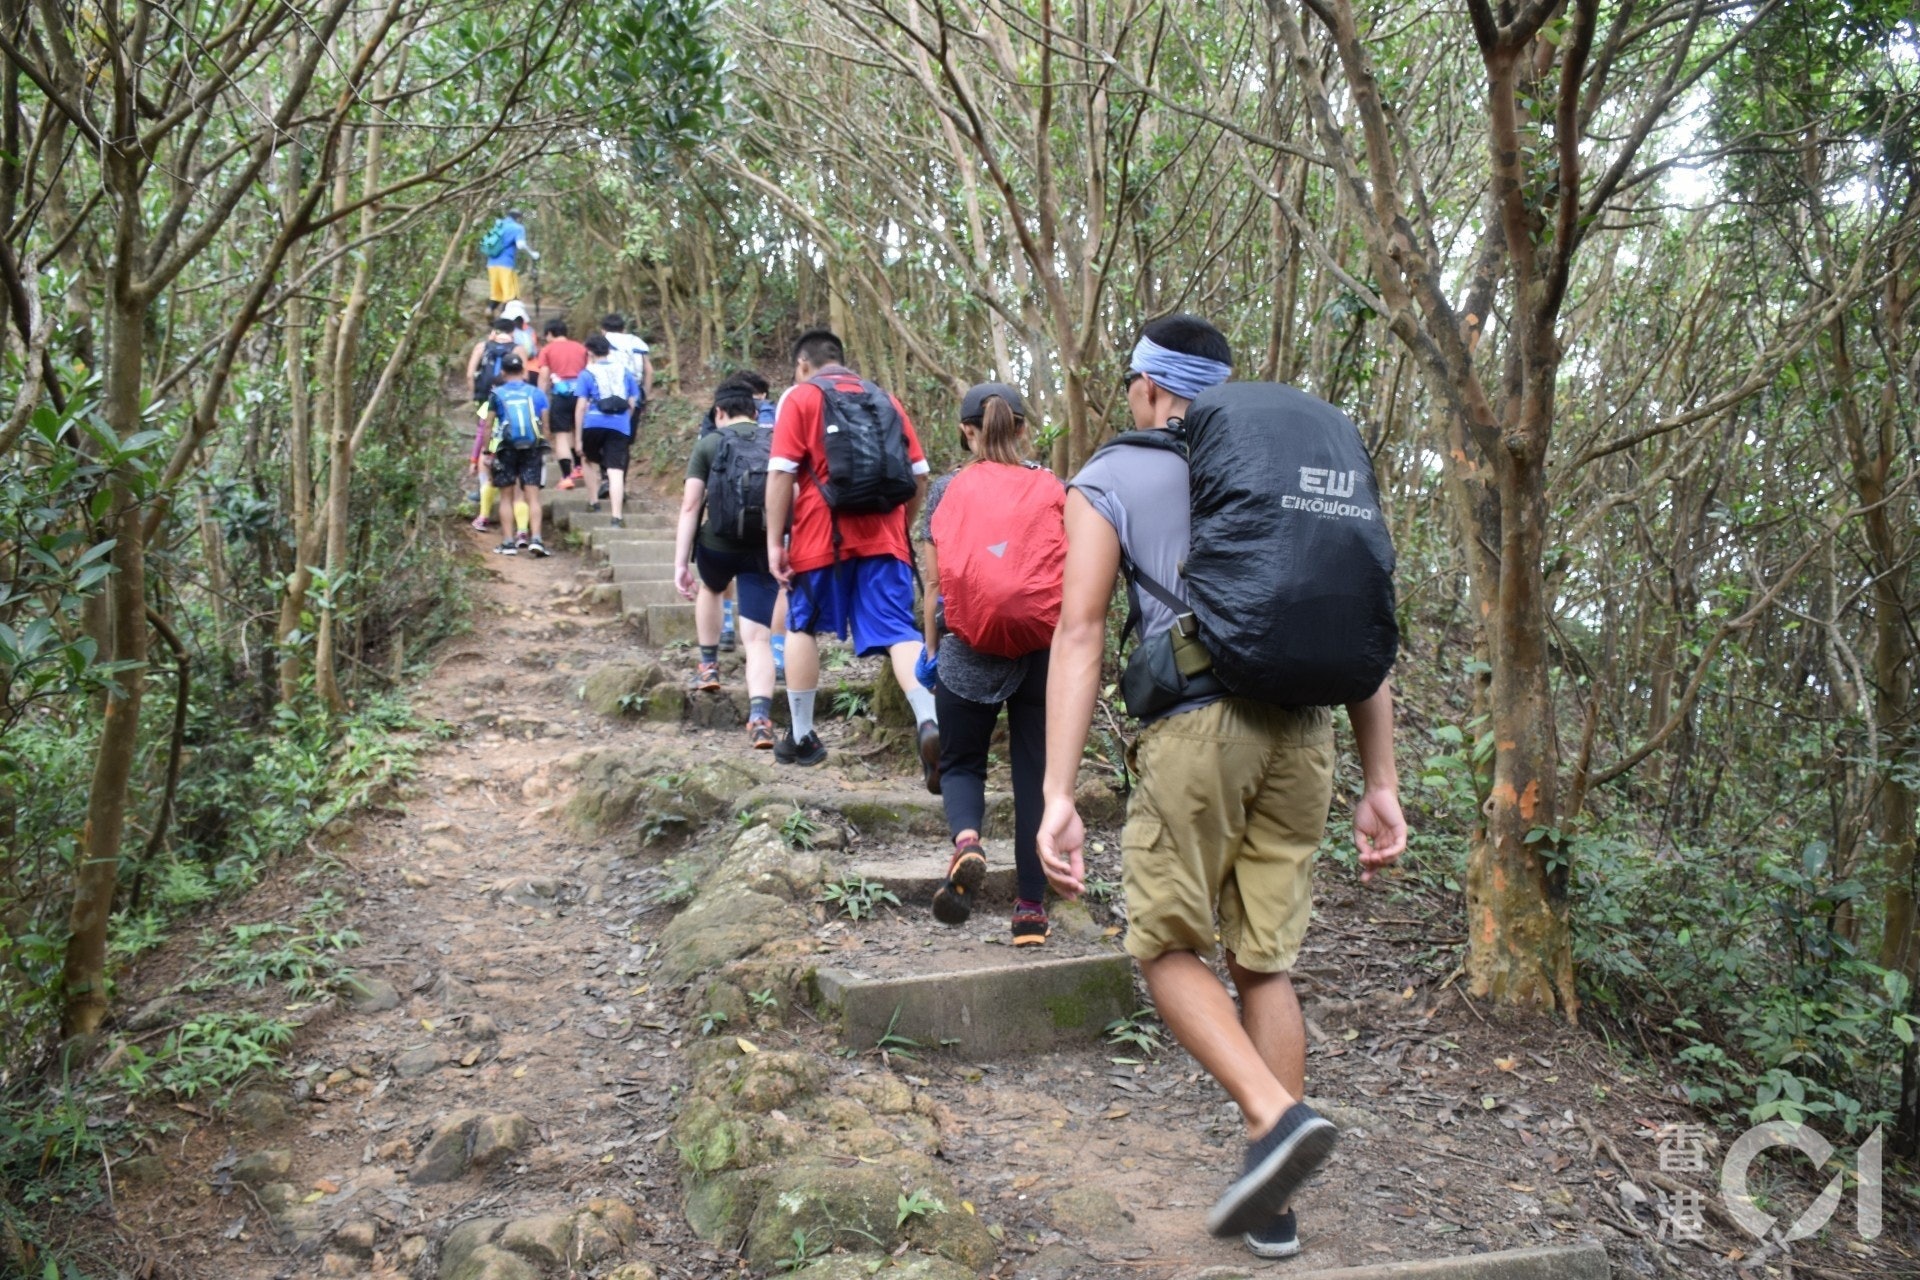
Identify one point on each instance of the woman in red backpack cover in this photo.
(995, 543)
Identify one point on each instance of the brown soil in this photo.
(1465, 1130)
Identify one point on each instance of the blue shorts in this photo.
(758, 590)
(872, 595)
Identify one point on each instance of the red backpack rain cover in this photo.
(1001, 538)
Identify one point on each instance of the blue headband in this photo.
(1184, 375)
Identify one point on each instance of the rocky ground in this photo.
(582, 1035)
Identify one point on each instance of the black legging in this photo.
(966, 729)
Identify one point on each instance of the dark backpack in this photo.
(487, 376)
(516, 415)
(868, 470)
(737, 484)
(1289, 568)
(495, 240)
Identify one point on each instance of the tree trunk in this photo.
(97, 873)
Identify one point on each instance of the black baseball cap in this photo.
(513, 364)
(974, 403)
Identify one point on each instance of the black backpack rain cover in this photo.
(1289, 567)
(868, 469)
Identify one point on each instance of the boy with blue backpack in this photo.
(518, 447)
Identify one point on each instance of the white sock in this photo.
(922, 703)
(801, 705)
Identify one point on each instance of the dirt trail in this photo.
(528, 1044)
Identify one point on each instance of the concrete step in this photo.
(992, 1011)
(638, 552)
(662, 572)
(640, 595)
(602, 537)
(915, 880)
(660, 624)
(588, 521)
(1581, 1262)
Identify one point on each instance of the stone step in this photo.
(643, 572)
(640, 595)
(601, 538)
(993, 1011)
(638, 552)
(881, 813)
(660, 624)
(1580, 1262)
(915, 880)
(588, 521)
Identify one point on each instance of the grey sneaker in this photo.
(507, 548)
(1278, 1164)
(538, 549)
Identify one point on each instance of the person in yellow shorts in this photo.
(506, 239)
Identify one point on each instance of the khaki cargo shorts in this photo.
(1229, 804)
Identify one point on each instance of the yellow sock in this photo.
(522, 517)
(487, 494)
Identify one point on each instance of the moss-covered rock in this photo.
(887, 704)
(606, 687)
(720, 927)
(828, 1205)
(761, 860)
(1088, 1213)
(719, 1207)
(463, 1240)
(883, 1093)
(604, 1228)
(954, 1233)
(666, 702)
(769, 1080)
(868, 1266)
(711, 1138)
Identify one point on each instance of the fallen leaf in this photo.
(1506, 1064)
(1116, 1113)
(326, 1186)
(518, 1072)
(746, 1045)
(1489, 1102)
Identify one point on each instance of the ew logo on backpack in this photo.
(1000, 533)
(495, 240)
(516, 414)
(1289, 568)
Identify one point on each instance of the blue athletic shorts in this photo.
(758, 589)
(872, 595)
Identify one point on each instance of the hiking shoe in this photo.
(606, 490)
(479, 524)
(707, 679)
(566, 482)
(726, 641)
(808, 751)
(507, 548)
(1030, 926)
(523, 542)
(616, 523)
(953, 900)
(1278, 1164)
(760, 734)
(1280, 1238)
(930, 755)
(538, 548)
(593, 506)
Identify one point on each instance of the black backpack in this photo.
(868, 470)
(1289, 568)
(487, 376)
(737, 483)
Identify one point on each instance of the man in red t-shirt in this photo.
(559, 363)
(866, 586)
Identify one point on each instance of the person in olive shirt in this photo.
(724, 556)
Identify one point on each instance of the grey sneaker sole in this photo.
(1265, 1189)
(1268, 1249)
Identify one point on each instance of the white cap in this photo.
(514, 310)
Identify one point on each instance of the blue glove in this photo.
(926, 669)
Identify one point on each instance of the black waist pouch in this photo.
(1165, 671)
